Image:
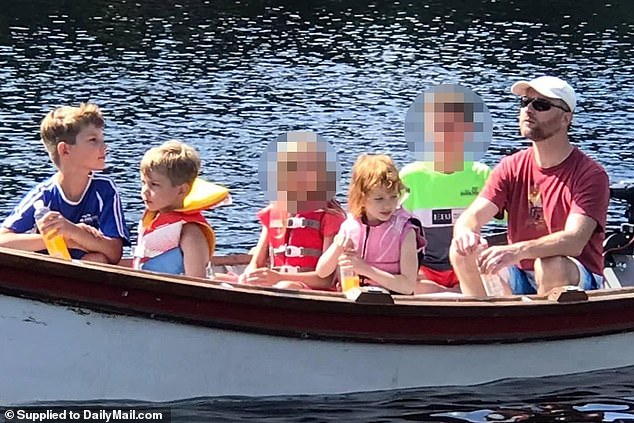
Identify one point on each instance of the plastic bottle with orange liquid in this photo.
(349, 279)
(55, 244)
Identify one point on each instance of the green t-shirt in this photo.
(437, 200)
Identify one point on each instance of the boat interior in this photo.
(619, 244)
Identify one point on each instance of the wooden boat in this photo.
(84, 331)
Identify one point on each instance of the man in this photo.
(442, 188)
(556, 198)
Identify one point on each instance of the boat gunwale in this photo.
(138, 293)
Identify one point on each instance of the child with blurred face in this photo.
(444, 184)
(301, 223)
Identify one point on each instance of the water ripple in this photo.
(227, 77)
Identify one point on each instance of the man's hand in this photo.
(494, 259)
(466, 242)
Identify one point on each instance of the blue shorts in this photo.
(522, 282)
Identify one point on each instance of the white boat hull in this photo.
(54, 352)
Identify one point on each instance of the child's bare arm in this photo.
(260, 252)
(328, 261)
(405, 282)
(77, 236)
(311, 279)
(269, 277)
(24, 242)
(111, 248)
(195, 250)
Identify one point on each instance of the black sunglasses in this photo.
(540, 104)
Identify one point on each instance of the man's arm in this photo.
(568, 242)
(466, 231)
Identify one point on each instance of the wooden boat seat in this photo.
(235, 263)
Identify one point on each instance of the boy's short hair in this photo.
(450, 102)
(369, 172)
(467, 109)
(177, 160)
(64, 123)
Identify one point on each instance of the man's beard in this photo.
(536, 134)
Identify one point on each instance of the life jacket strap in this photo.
(294, 251)
(292, 269)
(301, 222)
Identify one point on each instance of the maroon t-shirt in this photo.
(539, 200)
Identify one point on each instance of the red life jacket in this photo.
(299, 245)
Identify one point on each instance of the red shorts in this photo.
(446, 278)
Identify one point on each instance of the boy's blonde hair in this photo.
(64, 123)
(177, 160)
(370, 172)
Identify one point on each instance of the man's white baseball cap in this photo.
(549, 86)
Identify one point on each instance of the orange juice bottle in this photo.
(55, 244)
(348, 278)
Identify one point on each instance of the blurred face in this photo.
(380, 204)
(541, 125)
(89, 150)
(159, 194)
(449, 129)
(303, 181)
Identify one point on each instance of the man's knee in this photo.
(459, 260)
(557, 270)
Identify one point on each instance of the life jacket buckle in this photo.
(293, 251)
(296, 222)
(302, 222)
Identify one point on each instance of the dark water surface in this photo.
(605, 396)
(229, 76)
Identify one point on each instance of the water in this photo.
(595, 397)
(228, 76)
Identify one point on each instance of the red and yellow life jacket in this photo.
(158, 244)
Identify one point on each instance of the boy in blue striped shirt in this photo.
(85, 206)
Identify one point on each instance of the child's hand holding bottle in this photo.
(343, 242)
(53, 239)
